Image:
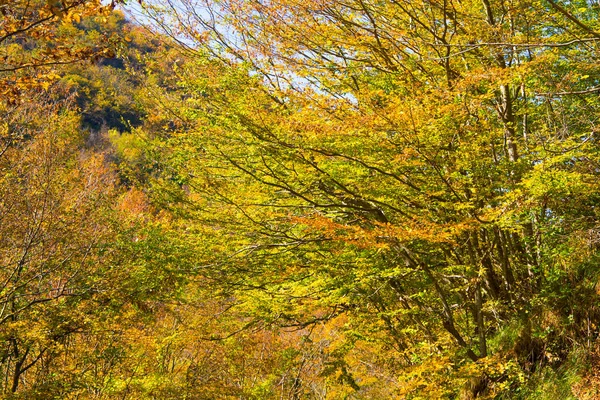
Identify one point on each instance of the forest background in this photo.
(315, 199)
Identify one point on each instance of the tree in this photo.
(53, 200)
(428, 170)
(37, 36)
(82, 258)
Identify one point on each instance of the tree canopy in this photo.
(300, 199)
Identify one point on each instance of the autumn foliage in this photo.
(300, 199)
